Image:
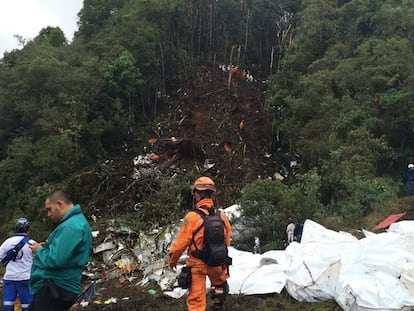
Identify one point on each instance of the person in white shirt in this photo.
(17, 275)
(290, 229)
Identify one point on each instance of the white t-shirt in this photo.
(290, 228)
(18, 270)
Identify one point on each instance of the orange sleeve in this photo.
(184, 238)
(227, 228)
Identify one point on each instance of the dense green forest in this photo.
(340, 99)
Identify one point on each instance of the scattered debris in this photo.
(87, 296)
(144, 167)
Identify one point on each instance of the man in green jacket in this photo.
(55, 279)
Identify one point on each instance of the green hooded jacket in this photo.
(64, 254)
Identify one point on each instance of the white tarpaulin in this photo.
(374, 273)
(250, 269)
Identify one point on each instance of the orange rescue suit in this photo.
(196, 300)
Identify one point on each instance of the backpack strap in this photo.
(202, 215)
(21, 244)
(6, 259)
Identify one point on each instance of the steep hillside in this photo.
(216, 130)
(209, 127)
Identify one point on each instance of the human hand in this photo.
(35, 246)
(169, 263)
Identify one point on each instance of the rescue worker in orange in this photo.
(202, 190)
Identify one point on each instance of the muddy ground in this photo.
(134, 297)
(111, 295)
(207, 120)
(210, 119)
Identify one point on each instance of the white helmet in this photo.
(410, 165)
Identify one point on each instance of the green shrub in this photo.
(267, 205)
(168, 203)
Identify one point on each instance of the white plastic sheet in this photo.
(375, 273)
(255, 273)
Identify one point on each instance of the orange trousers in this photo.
(196, 299)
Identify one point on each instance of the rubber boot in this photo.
(219, 295)
(217, 307)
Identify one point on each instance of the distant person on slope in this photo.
(191, 236)
(298, 232)
(16, 278)
(410, 179)
(290, 230)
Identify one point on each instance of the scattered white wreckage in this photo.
(375, 273)
(144, 167)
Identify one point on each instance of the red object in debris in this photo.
(227, 148)
(154, 157)
(241, 125)
(388, 221)
(123, 281)
(104, 275)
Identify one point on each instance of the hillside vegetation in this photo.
(325, 131)
(330, 112)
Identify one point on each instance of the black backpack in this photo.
(11, 254)
(214, 252)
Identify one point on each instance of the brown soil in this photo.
(204, 123)
(205, 120)
(133, 297)
(210, 128)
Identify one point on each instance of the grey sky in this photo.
(28, 17)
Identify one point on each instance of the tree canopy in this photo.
(340, 99)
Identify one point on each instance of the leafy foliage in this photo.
(344, 101)
(172, 198)
(341, 102)
(53, 36)
(267, 205)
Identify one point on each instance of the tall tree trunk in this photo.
(272, 55)
(246, 36)
(230, 71)
(192, 32)
(210, 33)
(157, 97)
(225, 49)
(238, 55)
(199, 35)
(162, 69)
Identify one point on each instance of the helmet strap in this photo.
(196, 193)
